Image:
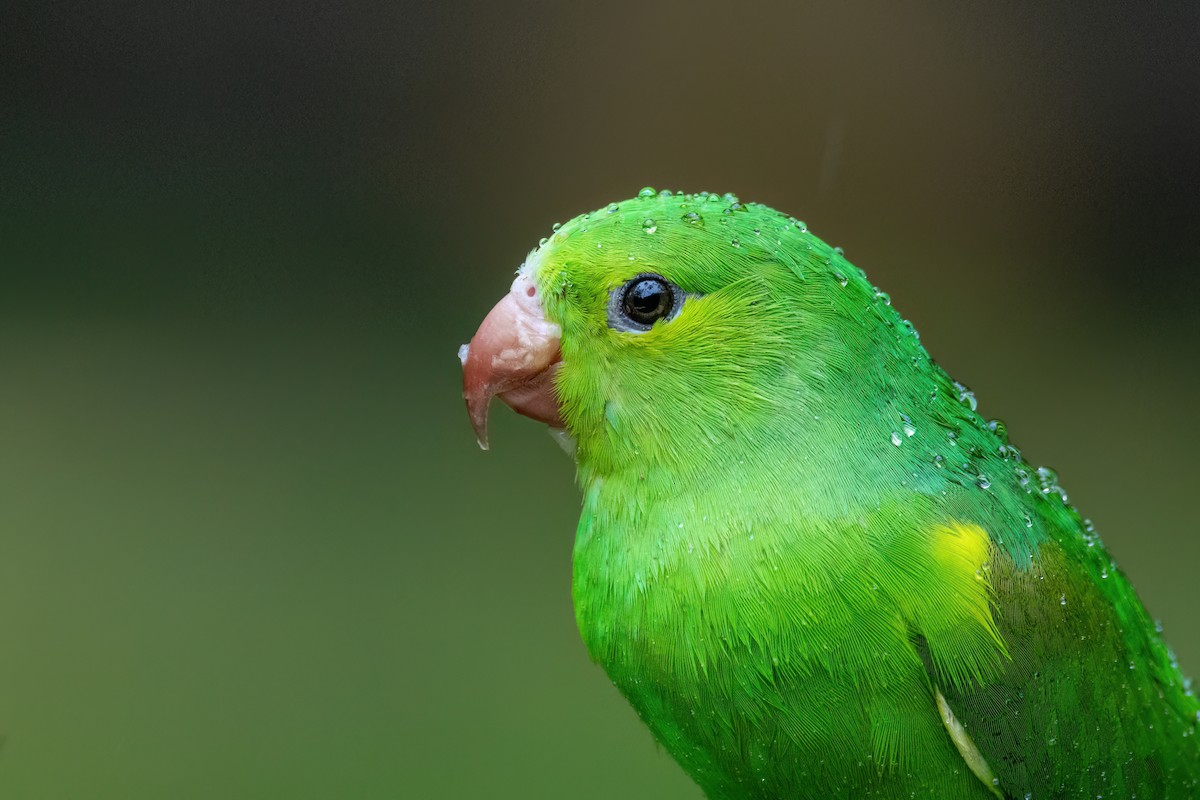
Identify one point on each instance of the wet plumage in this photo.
(810, 565)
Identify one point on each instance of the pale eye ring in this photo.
(643, 300)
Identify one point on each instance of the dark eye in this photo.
(637, 304)
(647, 299)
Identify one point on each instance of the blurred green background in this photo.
(248, 547)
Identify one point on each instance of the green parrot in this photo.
(809, 564)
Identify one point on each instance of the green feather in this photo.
(798, 535)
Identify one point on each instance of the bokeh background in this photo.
(248, 547)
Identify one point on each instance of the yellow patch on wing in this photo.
(949, 602)
(962, 551)
(962, 544)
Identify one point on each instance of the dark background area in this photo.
(248, 547)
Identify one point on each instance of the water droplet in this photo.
(757, 232)
(735, 243)
(837, 251)
(692, 218)
(1023, 479)
(882, 295)
(966, 396)
(1062, 599)
(909, 429)
(1048, 481)
(612, 207)
(649, 226)
(896, 440)
(555, 227)
(647, 191)
(665, 193)
(542, 241)
(983, 482)
(938, 461)
(842, 279)
(1028, 521)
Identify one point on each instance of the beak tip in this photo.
(477, 411)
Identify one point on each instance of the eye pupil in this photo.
(647, 300)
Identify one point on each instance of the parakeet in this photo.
(810, 565)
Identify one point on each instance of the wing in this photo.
(1090, 702)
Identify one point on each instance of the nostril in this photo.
(530, 291)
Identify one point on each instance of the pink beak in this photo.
(514, 354)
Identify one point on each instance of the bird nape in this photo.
(808, 563)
